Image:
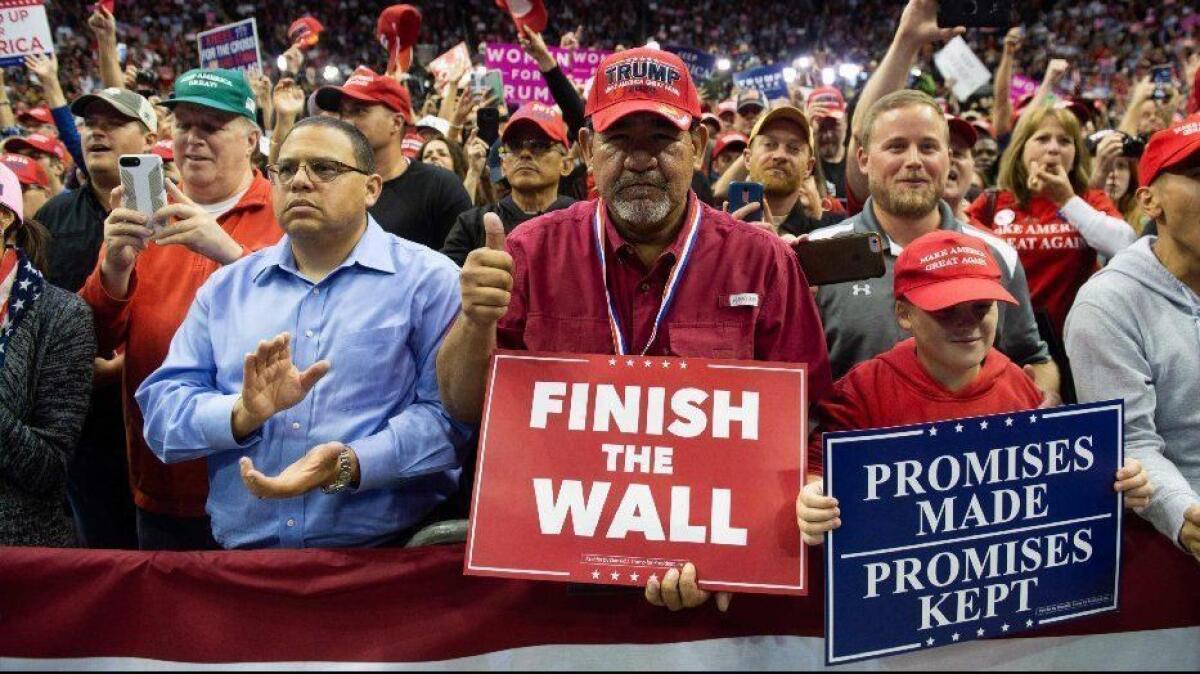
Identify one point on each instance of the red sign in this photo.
(611, 469)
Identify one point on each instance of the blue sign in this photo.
(971, 528)
(767, 79)
(701, 65)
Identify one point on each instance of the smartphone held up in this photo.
(144, 184)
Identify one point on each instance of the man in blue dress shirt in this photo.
(313, 360)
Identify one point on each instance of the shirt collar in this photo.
(615, 242)
(867, 223)
(371, 252)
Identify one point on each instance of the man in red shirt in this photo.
(644, 269)
(947, 285)
(150, 269)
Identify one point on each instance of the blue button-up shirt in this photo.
(379, 319)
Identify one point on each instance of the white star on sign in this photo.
(929, 641)
(979, 632)
(633, 577)
(647, 363)
(983, 425)
(666, 363)
(683, 366)
(1004, 627)
(615, 575)
(612, 361)
(629, 362)
(1029, 623)
(958, 428)
(25, 284)
(1008, 421)
(1033, 418)
(596, 575)
(954, 636)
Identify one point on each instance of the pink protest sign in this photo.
(523, 82)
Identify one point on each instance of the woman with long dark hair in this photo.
(47, 347)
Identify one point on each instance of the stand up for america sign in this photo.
(970, 528)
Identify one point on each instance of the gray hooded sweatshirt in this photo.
(1134, 333)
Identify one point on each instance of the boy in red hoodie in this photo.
(946, 289)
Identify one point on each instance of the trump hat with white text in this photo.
(944, 268)
(1170, 148)
(642, 80)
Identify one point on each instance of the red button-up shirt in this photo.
(742, 295)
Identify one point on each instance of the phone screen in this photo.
(742, 193)
(487, 121)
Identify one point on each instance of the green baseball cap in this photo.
(216, 88)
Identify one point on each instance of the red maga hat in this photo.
(728, 141)
(397, 29)
(944, 268)
(831, 98)
(642, 80)
(544, 117)
(28, 171)
(530, 13)
(1170, 148)
(305, 32)
(36, 115)
(38, 142)
(369, 87)
(963, 130)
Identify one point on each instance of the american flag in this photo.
(20, 287)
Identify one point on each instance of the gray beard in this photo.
(640, 213)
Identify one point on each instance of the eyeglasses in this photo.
(318, 170)
(536, 146)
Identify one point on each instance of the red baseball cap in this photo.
(1169, 148)
(963, 129)
(944, 268)
(530, 13)
(28, 171)
(545, 118)
(728, 140)
(305, 32)
(369, 87)
(727, 108)
(831, 98)
(642, 80)
(38, 142)
(397, 29)
(164, 148)
(36, 115)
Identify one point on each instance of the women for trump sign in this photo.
(613, 469)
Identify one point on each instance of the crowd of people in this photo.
(292, 351)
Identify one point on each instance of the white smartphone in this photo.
(145, 186)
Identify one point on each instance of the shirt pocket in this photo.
(567, 334)
(712, 340)
(366, 367)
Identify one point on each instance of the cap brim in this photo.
(79, 106)
(605, 118)
(839, 115)
(204, 103)
(945, 294)
(17, 142)
(964, 130)
(787, 113)
(1147, 176)
(542, 127)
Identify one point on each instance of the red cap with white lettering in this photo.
(642, 80)
(1169, 148)
(944, 268)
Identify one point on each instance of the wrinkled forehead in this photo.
(641, 123)
(190, 113)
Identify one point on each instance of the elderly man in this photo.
(340, 393)
(1132, 334)
(420, 201)
(905, 155)
(150, 269)
(542, 289)
(533, 158)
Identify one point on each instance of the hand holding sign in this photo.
(679, 589)
(816, 513)
(271, 383)
(487, 277)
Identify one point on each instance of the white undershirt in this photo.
(222, 207)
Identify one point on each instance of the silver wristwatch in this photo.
(343, 475)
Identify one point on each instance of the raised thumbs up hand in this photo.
(486, 279)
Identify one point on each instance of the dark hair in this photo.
(457, 157)
(364, 156)
(33, 238)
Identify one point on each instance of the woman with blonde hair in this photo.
(1046, 210)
